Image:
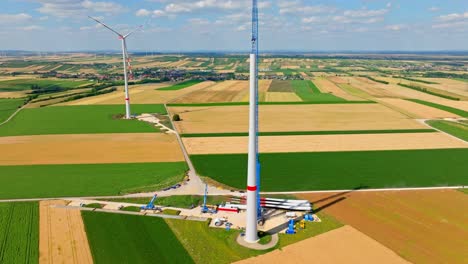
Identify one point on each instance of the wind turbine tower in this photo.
(253, 171)
(126, 64)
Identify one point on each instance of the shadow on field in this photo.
(336, 195)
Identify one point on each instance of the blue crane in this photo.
(150, 205)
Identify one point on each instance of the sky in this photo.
(224, 25)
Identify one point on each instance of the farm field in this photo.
(452, 110)
(420, 226)
(459, 130)
(62, 237)
(140, 94)
(22, 84)
(450, 85)
(281, 97)
(151, 239)
(78, 120)
(90, 149)
(415, 110)
(180, 86)
(282, 118)
(352, 245)
(19, 232)
(327, 86)
(71, 180)
(341, 170)
(323, 143)
(372, 88)
(227, 91)
(308, 92)
(8, 107)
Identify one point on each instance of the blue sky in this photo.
(223, 25)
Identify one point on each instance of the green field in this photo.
(308, 92)
(209, 245)
(8, 107)
(86, 119)
(459, 130)
(115, 238)
(25, 84)
(180, 86)
(42, 181)
(442, 107)
(341, 170)
(303, 133)
(19, 233)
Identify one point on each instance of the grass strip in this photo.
(341, 170)
(180, 86)
(150, 240)
(9, 106)
(303, 133)
(458, 130)
(44, 181)
(449, 109)
(418, 80)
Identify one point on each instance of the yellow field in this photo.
(323, 143)
(227, 91)
(89, 149)
(224, 119)
(327, 86)
(415, 110)
(282, 97)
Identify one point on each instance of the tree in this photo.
(176, 118)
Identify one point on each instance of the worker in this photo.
(302, 224)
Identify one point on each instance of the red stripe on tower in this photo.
(251, 188)
(127, 99)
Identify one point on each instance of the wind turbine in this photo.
(126, 63)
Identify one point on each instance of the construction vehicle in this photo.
(150, 205)
(291, 227)
(205, 209)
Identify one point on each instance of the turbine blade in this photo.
(138, 28)
(106, 26)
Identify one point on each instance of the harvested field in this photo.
(370, 87)
(62, 236)
(457, 90)
(420, 226)
(415, 110)
(281, 86)
(89, 148)
(16, 94)
(323, 143)
(227, 91)
(282, 97)
(263, 86)
(342, 245)
(328, 87)
(450, 85)
(225, 119)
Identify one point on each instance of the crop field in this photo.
(181, 85)
(150, 239)
(415, 110)
(90, 149)
(62, 237)
(282, 97)
(327, 86)
(450, 85)
(323, 143)
(420, 226)
(281, 86)
(341, 170)
(372, 88)
(227, 91)
(459, 130)
(343, 245)
(8, 107)
(452, 110)
(39, 181)
(19, 233)
(78, 120)
(21, 84)
(280, 118)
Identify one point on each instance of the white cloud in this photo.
(75, 8)
(6, 19)
(398, 27)
(143, 12)
(454, 17)
(434, 9)
(31, 28)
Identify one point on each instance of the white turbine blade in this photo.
(138, 28)
(106, 26)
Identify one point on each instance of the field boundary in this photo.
(13, 115)
(452, 110)
(305, 133)
(271, 103)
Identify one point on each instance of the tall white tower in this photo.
(251, 235)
